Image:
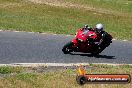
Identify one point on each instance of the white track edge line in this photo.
(124, 40)
(57, 64)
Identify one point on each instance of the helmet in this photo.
(99, 27)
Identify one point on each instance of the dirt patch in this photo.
(67, 4)
(36, 1)
(4, 5)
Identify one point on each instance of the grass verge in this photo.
(47, 77)
(65, 16)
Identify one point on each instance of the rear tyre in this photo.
(95, 53)
(67, 48)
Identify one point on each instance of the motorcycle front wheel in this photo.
(67, 48)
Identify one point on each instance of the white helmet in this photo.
(99, 27)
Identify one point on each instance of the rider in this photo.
(101, 34)
(99, 31)
(97, 43)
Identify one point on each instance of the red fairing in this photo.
(91, 34)
(83, 35)
(83, 42)
(75, 42)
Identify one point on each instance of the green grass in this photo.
(8, 70)
(60, 78)
(23, 15)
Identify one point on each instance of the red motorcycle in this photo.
(83, 42)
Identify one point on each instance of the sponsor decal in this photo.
(83, 78)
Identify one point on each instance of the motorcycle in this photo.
(83, 42)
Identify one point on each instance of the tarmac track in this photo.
(22, 47)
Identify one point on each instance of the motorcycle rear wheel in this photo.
(95, 53)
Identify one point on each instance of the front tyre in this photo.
(67, 48)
